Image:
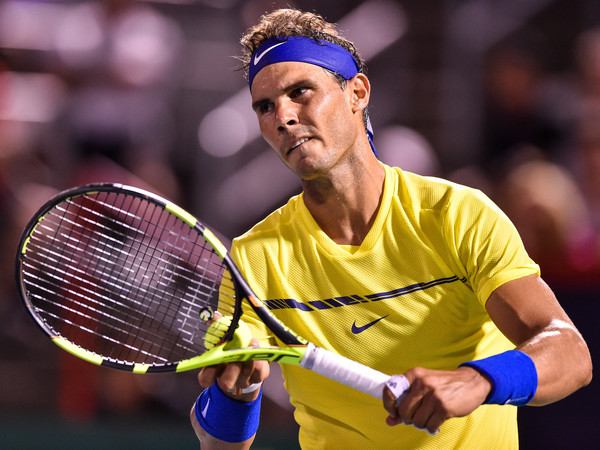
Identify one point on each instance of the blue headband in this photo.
(301, 49)
(307, 50)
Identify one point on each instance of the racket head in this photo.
(122, 278)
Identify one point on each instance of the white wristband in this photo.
(253, 387)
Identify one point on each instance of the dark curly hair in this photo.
(292, 22)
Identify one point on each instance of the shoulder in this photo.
(433, 193)
(269, 230)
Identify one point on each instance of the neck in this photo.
(345, 204)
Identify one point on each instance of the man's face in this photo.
(306, 116)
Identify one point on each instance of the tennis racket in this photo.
(122, 278)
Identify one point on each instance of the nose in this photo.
(285, 114)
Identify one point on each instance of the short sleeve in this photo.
(484, 243)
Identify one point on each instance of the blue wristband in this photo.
(225, 418)
(513, 376)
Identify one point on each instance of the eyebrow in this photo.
(304, 82)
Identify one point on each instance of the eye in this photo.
(264, 108)
(297, 92)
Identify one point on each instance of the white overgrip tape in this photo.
(253, 387)
(399, 387)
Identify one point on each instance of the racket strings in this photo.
(135, 276)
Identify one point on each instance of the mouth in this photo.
(298, 144)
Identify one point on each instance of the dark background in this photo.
(497, 95)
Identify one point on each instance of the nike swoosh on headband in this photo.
(356, 329)
(307, 50)
(257, 58)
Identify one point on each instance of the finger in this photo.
(423, 413)
(393, 421)
(261, 369)
(389, 402)
(435, 421)
(254, 371)
(250, 373)
(408, 408)
(402, 413)
(412, 401)
(430, 428)
(426, 429)
(429, 416)
(396, 389)
(208, 375)
(228, 378)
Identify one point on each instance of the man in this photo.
(443, 290)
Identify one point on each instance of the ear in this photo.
(359, 88)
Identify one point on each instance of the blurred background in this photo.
(502, 96)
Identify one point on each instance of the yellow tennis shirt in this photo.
(412, 294)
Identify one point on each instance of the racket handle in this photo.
(345, 371)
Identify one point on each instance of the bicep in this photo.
(524, 307)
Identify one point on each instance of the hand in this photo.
(436, 396)
(236, 374)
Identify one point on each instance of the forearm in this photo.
(208, 442)
(222, 420)
(562, 361)
(528, 313)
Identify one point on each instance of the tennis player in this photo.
(407, 274)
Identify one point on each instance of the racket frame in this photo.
(220, 353)
(298, 351)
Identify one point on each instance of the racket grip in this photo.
(344, 370)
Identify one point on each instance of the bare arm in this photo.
(208, 442)
(527, 312)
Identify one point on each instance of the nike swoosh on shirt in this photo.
(356, 329)
(257, 58)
